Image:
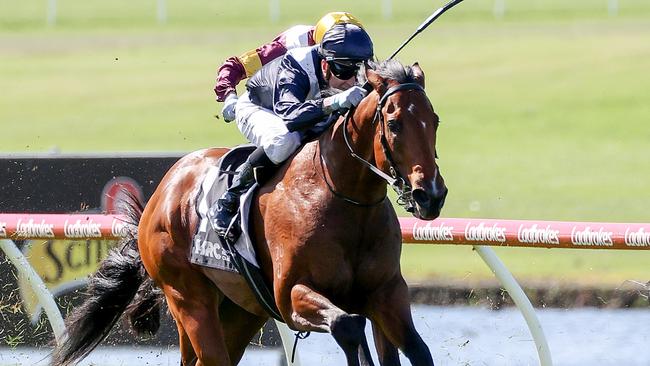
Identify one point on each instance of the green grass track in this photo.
(545, 111)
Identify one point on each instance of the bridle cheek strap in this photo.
(396, 180)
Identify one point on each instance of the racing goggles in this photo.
(345, 69)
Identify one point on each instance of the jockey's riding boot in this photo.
(228, 205)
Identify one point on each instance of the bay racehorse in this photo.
(328, 241)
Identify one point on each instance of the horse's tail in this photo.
(119, 286)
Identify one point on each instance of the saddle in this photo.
(237, 255)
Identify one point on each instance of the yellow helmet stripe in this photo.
(331, 19)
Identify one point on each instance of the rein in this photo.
(396, 180)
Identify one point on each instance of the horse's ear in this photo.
(418, 74)
(378, 83)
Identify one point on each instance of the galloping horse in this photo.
(327, 239)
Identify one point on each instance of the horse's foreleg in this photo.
(390, 310)
(314, 312)
(387, 352)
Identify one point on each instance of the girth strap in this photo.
(255, 280)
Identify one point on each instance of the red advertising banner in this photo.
(513, 233)
(524, 233)
(60, 226)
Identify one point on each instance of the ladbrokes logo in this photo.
(80, 229)
(637, 238)
(481, 232)
(436, 233)
(591, 237)
(30, 229)
(119, 228)
(3, 229)
(537, 235)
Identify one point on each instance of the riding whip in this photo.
(422, 27)
(426, 23)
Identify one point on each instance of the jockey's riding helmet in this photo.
(345, 47)
(331, 19)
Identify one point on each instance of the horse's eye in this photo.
(393, 126)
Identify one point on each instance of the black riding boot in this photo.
(227, 206)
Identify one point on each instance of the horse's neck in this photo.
(345, 174)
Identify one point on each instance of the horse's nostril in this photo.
(421, 197)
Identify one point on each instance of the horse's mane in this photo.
(387, 69)
(390, 70)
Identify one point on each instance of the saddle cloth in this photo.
(207, 249)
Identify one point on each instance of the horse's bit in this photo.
(396, 180)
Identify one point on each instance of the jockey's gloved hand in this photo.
(228, 110)
(346, 99)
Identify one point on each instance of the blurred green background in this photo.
(545, 105)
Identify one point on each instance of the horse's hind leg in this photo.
(314, 312)
(239, 326)
(197, 312)
(390, 311)
(192, 298)
(188, 356)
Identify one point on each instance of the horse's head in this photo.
(405, 137)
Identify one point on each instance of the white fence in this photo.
(499, 10)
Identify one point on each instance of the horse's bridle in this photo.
(396, 180)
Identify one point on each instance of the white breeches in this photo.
(263, 128)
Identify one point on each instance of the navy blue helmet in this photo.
(345, 47)
(346, 42)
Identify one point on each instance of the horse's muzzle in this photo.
(428, 205)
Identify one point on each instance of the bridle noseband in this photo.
(396, 180)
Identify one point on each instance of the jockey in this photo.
(283, 104)
(235, 69)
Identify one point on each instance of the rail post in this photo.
(42, 293)
(288, 339)
(521, 300)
